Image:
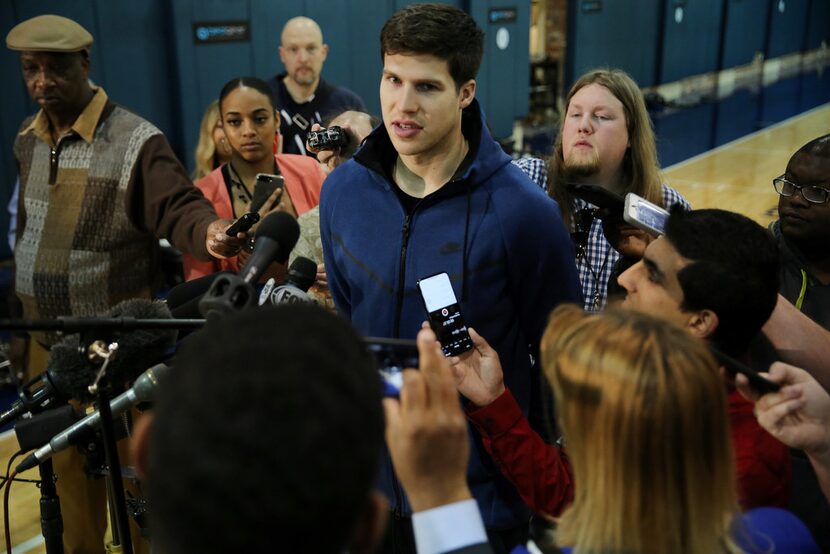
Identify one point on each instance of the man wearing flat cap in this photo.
(98, 185)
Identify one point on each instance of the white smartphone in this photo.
(444, 314)
(644, 215)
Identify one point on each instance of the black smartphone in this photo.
(612, 203)
(327, 139)
(392, 357)
(444, 314)
(242, 224)
(264, 187)
(757, 382)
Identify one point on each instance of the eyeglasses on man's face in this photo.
(813, 194)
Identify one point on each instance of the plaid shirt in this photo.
(598, 259)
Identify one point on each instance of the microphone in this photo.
(301, 275)
(183, 299)
(139, 348)
(276, 236)
(143, 390)
(70, 372)
(67, 376)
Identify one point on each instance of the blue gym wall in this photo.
(145, 57)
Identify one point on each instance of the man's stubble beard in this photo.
(304, 78)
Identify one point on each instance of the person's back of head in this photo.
(640, 169)
(267, 436)
(438, 30)
(733, 272)
(643, 411)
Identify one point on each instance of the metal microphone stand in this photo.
(121, 540)
(51, 522)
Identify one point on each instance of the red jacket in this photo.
(763, 462)
(542, 474)
(303, 181)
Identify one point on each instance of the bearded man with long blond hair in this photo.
(605, 139)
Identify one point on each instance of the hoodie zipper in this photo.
(396, 486)
(402, 271)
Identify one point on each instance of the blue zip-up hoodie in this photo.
(497, 235)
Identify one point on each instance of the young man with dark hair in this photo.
(802, 233)
(430, 191)
(714, 271)
(803, 230)
(245, 454)
(714, 249)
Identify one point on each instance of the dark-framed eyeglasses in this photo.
(813, 194)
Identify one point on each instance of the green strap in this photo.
(803, 292)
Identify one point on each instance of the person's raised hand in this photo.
(426, 431)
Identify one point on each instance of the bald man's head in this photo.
(302, 52)
(819, 147)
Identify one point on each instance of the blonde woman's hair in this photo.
(205, 153)
(643, 410)
(640, 168)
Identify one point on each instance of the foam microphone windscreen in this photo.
(138, 349)
(302, 272)
(69, 371)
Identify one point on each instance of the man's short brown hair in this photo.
(439, 30)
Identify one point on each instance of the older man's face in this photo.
(56, 81)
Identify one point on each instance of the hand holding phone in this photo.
(243, 224)
(756, 380)
(392, 357)
(444, 314)
(264, 187)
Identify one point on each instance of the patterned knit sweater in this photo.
(84, 239)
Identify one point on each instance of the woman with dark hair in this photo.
(250, 123)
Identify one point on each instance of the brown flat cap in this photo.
(48, 33)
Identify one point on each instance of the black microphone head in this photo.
(282, 228)
(301, 273)
(138, 349)
(184, 292)
(183, 299)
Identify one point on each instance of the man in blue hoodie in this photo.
(430, 191)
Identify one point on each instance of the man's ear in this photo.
(371, 527)
(466, 93)
(140, 444)
(703, 323)
(325, 50)
(282, 55)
